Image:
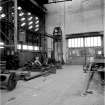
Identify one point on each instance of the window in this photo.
(98, 41)
(79, 42)
(69, 43)
(30, 48)
(36, 48)
(95, 41)
(75, 42)
(92, 41)
(89, 42)
(19, 46)
(25, 47)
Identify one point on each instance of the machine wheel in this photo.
(12, 82)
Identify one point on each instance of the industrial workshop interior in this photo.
(52, 52)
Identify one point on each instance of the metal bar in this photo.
(15, 25)
(37, 5)
(4, 2)
(5, 35)
(57, 1)
(47, 35)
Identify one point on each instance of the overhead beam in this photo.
(57, 1)
(37, 5)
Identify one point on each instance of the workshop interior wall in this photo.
(76, 16)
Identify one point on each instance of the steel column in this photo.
(15, 25)
(104, 28)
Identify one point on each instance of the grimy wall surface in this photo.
(76, 16)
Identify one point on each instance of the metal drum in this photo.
(8, 81)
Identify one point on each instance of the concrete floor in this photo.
(62, 88)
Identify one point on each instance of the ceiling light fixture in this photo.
(1, 43)
(36, 18)
(37, 25)
(30, 27)
(30, 18)
(36, 29)
(22, 19)
(21, 14)
(12, 13)
(23, 24)
(19, 8)
(28, 13)
(30, 23)
(37, 22)
(1, 8)
(2, 15)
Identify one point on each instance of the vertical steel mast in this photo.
(15, 25)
